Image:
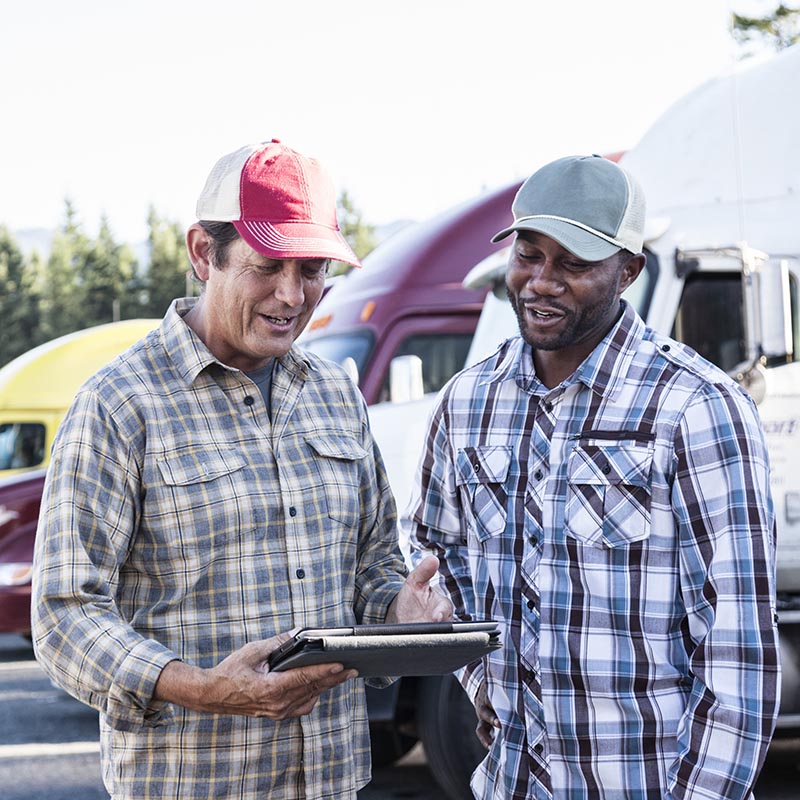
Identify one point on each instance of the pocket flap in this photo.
(333, 446)
(484, 464)
(197, 464)
(611, 463)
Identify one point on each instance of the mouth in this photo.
(544, 314)
(278, 322)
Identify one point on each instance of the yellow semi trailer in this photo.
(37, 388)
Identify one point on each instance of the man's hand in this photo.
(242, 684)
(417, 601)
(487, 719)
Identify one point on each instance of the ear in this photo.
(197, 245)
(631, 270)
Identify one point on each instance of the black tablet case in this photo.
(426, 648)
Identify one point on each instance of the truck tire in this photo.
(446, 723)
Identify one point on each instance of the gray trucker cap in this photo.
(588, 204)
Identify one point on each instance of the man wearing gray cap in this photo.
(603, 493)
(211, 489)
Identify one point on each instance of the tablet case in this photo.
(426, 648)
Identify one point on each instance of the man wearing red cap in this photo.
(210, 490)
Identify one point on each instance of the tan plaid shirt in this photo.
(178, 522)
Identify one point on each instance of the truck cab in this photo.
(409, 299)
(36, 388)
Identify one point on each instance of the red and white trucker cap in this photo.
(282, 203)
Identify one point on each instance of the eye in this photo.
(314, 272)
(269, 267)
(573, 265)
(526, 254)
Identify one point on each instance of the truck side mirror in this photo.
(351, 368)
(776, 311)
(405, 379)
(767, 307)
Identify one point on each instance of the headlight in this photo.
(15, 574)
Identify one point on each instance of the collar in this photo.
(603, 371)
(191, 357)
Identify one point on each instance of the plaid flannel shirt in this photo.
(620, 528)
(178, 522)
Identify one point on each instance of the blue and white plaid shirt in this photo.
(620, 528)
(178, 521)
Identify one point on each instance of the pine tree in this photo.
(59, 287)
(359, 234)
(18, 301)
(104, 272)
(166, 276)
(777, 30)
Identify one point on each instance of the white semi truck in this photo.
(721, 173)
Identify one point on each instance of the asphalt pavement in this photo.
(49, 748)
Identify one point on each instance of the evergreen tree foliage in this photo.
(60, 283)
(777, 30)
(359, 234)
(18, 300)
(166, 276)
(105, 270)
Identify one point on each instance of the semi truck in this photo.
(721, 174)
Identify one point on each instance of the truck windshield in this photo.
(340, 346)
(21, 445)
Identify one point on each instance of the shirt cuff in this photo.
(130, 698)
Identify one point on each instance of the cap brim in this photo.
(579, 242)
(296, 240)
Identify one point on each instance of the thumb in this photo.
(423, 572)
(261, 649)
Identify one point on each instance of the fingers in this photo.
(488, 722)
(485, 734)
(423, 572)
(298, 690)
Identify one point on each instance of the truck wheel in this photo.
(446, 722)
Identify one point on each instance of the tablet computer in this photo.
(425, 648)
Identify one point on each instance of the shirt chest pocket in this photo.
(200, 499)
(481, 473)
(608, 493)
(338, 463)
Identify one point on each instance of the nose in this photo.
(543, 279)
(289, 285)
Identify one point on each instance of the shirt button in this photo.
(665, 348)
(301, 573)
(538, 747)
(531, 605)
(606, 470)
(548, 406)
(292, 511)
(538, 474)
(248, 401)
(476, 466)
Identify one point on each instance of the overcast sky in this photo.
(413, 106)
